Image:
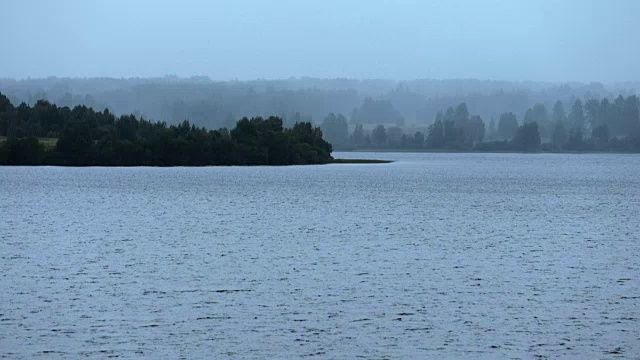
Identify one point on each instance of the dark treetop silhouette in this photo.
(86, 137)
(598, 125)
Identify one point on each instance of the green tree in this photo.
(615, 118)
(600, 136)
(394, 137)
(576, 140)
(8, 122)
(357, 137)
(592, 114)
(88, 137)
(449, 115)
(461, 114)
(435, 135)
(335, 130)
(539, 115)
(507, 126)
(379, 136)
(631, 116)
(576, 116)
(418, 140)
(5, 104)
(527, 137)
(604, 112)
(25, 151)
(376, 112)
(75, 145)
(559, 134)
(453, 136)
(474, 130)
(558, 113)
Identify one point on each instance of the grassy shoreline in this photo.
(335, 161)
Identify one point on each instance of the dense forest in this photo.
(216, 104)
(48, 134)
(593, 126)
(82, 136)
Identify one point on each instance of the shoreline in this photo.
(360, 161)
(451, 151)
(335, 161)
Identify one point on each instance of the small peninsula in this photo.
(46, 134)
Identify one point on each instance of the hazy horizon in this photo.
(207, 78)
(581, 41)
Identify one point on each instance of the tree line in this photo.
(215, 104)
(596, 125)
(88, 137)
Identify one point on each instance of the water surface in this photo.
(434, 255)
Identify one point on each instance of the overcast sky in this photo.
(545, 40)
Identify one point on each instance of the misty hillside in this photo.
(217, 104)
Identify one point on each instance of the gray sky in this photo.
(544, 40)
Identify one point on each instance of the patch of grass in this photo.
(360, 161)
(48, 143)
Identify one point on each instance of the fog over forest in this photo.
(402, 65)
(203, 60)
(215, 104)
(281, 179)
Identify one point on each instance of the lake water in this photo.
(432, 256)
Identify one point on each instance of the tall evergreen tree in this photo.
(507, 126)
(592, 114)
(559, 134)
(357, 137)
(558, 112)
(576, 116)
(379, 136)
(335, 130)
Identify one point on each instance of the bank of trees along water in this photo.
(47, 134)
(596, 125)
(88, 137)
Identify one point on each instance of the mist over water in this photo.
(434, 255)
